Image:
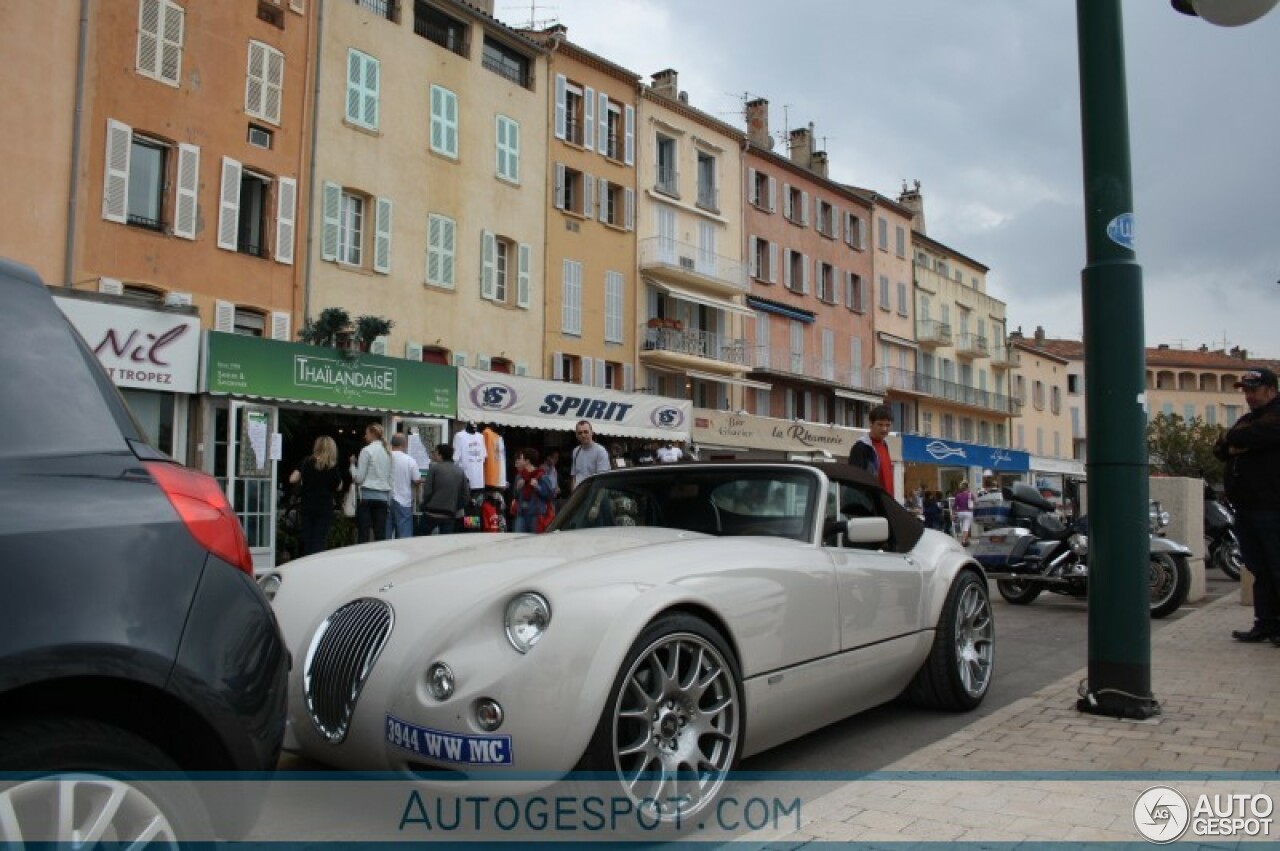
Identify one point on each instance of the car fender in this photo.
(950, 558)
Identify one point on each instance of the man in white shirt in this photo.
(669, 453)
(589, 457)
(404, 487)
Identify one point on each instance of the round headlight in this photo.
(488, 714)
(1079, 545)
(270, 584)
(527, 617)
(440, 681)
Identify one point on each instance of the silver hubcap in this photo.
(676, 725)
(82, 811)
(974, 646)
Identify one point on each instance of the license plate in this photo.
(996, 539)
(449, 747)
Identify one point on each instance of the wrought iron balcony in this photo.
(668, 182)
(893, 378)
(971, 346)
(670, 338)
(931, 333)
(782, 361)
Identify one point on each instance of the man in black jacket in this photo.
(1251, 452)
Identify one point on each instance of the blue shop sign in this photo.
(953, 453)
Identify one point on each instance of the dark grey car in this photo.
(132, 636)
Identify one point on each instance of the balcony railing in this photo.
(1003, 357)
(702, 344)
(931, 332)
(381, 8)
(708, 198)
(781, 360)
(893, 378)
(971, 345)
(449, 36)
(692, 263)
(668, 181)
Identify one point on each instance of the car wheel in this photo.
(1170, 580)
(1019, 592)
(672, 727)
(958, 671)
(86, 794)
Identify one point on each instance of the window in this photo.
(617, 204)
(146, 183)
(441, 250)
(1188, 412)
(948, 427)
(855, 294)
(251, 228)
(902, 299)
(573, 190)
(613, 293)
(1037, 395)
(1055, 400)
(135, 176)
(505, 62)
(617, 131)
(382, 8)
(505, 269)
(827, 222)
(444, 122)
(566, 367)
(351, 229)
(900, 241)
(966, 430)
(571, 298)
(346, 235)
(763, 190)
(763, 260)
(575, 120)
(926, 423)
(1073, 384)
(853, 234)
(796, 349)
(363, 74)
(797, 273)
(883, 233)
(668, 179)
(884, 293)
(250, 323)
(264, 81)
(708, 198)
(826, 274)
(508, 148)
(434, 25)
(1020, 388)
(795, 205)
(1210, 414)
(160, 29)
(260, 137)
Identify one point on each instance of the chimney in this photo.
(1164, 347)
(801, 146)
(820, 163)
(664, 83)
(1203, 348)
(913, 200)
(1039, 336)
(758, 123)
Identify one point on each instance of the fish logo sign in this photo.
(939, 450)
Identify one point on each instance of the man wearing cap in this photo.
(1250, 451)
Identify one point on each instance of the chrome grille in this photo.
(342, 655)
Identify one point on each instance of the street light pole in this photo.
(1119, 682)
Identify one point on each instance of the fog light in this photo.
(488, 714)
(440, 681)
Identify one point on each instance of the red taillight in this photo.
(204, 509)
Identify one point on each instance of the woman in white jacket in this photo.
(372, 472)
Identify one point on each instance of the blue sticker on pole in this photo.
(1120, 230)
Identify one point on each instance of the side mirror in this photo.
(867, 530)
(831, 528)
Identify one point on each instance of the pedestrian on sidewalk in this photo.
(871, 452)
(405, 479)
(964, 513)
(1251, 452)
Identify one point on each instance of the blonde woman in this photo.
(372, 472)
(321, 480)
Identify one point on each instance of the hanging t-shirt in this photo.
(495, 463)
(469, 453)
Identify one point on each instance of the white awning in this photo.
(857, 396)
(698, 298)
(897, 341)
(728, 379)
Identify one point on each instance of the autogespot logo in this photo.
(1161, 814)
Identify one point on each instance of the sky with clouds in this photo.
(979, 101)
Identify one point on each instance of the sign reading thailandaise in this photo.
(512, 400)
(239, 365)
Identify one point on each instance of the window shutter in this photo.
(522, 368)
(382, 237)
(786, 200)
(224, 316)
(601, 368)
(229, 204)
(149, 37)
(488, 267)
(413, 351)
(115, 191)
(753, 191)
(449, 250)
(354, 77)
(500, 146)
(773, 194)
(171, 43)
(629, 197)
(513, 151)
(753, 258)
(557, 366)
(274, 87)
(773, 262)
(524, 253)
(184, 208)
(804, 208)
(588, 195)
(371, 91)
(484, 362)
(630, 145)
(379, 345)
(460, 359)
(804, 275)
(603, 117)
(628, 378)
(559, 187)
(280, 325)
(451, 123)
(286, 212)
(603, 186)
(255, 80)
(786, 269)
(434, 237)
(332, 204)
(561, 112)
(589, 120)
(437, 118)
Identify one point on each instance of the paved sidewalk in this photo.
(1220, 703)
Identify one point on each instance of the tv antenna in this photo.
(536, 23)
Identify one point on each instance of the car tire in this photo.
(957, 673)
(1017, 591)
(672, 726)
(88, 783)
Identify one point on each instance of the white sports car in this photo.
(675, 619)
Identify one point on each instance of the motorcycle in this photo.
(1221, 547)
(1040, 552)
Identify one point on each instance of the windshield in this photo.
(730, 500)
